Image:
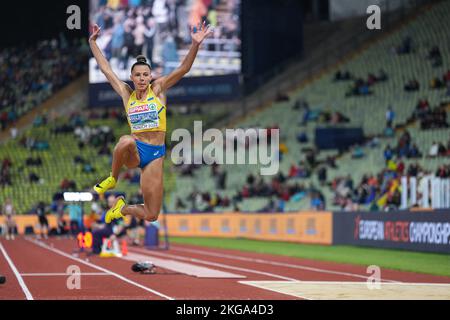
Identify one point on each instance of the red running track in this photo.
(41, 267)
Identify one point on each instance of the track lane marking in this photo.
(64, 274)
(221, 265)
(184, 268)
(256, 285)
(280, 264)
(45, 246)
(17, 274)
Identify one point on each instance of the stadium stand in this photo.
(310, 178)
(69, 152)
(60, 62)
(377, 78)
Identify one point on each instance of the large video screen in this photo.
(160, 30)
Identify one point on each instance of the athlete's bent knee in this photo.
(151, 215)
(124, 142)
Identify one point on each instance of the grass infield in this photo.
(428, 263)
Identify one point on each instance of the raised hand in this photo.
(200, 32)
(95, 33)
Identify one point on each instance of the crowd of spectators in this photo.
(278, 190)
(412, 85)
(439, 150)
(362, 87)
(158, 28)
(34, 144)
(321, 116)
(380, 191)
(405, 148)
(440, 83)
(30, 74)
(206, 200)
(430, 118)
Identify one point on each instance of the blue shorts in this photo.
(149, 152)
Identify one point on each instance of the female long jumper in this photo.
(145, 107)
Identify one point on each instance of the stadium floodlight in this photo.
(78, 196)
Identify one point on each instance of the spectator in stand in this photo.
(412, 85)
(435, 83)
(180, 205)
(442, 151)
(65, 184)
(413, 170)
(305, 116)
(322, 175)
(443, 172)
(434, 149)
(388, 153)
(390, 116)
(435, 56)
(302, 137)
(342, 75)
(293, 171)
(317, 201)
(414, 152)
(311, 157)
(300, 104)
(358, 152)
(283, 149)
(405, 47)
(5, 172)
(33, 177)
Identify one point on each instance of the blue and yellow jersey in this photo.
(146, 115)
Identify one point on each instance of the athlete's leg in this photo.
(125, 153)
(46, 229)
(152, 190)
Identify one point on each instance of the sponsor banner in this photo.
(190, 89)
(23, 221)
(415, 231)
(304, 227)
(31, 220)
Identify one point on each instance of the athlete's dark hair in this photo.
(141, 61)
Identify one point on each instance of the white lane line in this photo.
(425, 284)
(280, 264)
(17, 274)
(183, 267)
(221, 265)
(43, 245)
(64, 274)
(255, 284)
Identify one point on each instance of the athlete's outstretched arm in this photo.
(122, 88)
(197, 38)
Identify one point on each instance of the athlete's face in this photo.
(141, 77)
